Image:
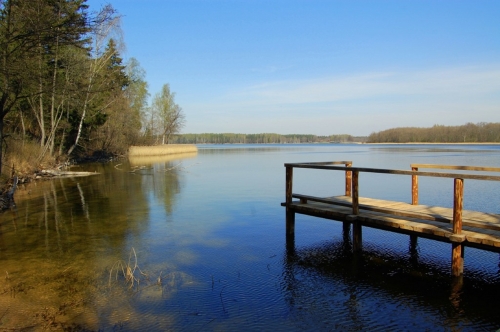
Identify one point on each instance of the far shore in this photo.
(443, 143)
(385, 143)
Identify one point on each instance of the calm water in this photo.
(198, 244)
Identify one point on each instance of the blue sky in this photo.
(318, 67)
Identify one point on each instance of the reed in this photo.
(128, 270)
(25, 158)
(161, 150)
(149, 160)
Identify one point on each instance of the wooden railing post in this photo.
(414, 187)
(348, 180)
(458, 202)
(355, 192)
(457, 255)
(290, 215)
(357, 234)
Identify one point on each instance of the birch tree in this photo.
(60, 36)
(105, 26)
(170, 115)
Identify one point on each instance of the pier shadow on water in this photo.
(382, 289)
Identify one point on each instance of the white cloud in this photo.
(357, 104)
(465, 80)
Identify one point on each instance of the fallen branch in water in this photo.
(54, 173)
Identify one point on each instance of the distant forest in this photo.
(269, 138)
(469, 133)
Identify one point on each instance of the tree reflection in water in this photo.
(58, 245)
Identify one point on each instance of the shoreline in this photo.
(443, 143)
(354, 143)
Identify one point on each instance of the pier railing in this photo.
(352, 190)
(352, 179)
(416, 167)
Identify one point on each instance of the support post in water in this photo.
(357, 236)
(457, 254)
(290, 215)
(356, 225)
(413, 243)
(414, 187)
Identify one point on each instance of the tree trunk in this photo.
(1, 142)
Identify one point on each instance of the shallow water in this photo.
(202, 240)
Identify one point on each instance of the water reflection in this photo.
(379, 289)
(208, 232)
(162, 175)
(151, 160)
(59, 244)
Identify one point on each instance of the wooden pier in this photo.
(456, 226)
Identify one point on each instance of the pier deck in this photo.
(459, 227)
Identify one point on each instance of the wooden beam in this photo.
(457, 259)
(400, 213)
(458, 203)
(413, 242)
(414, 187)
(348, 180)
(463, 168)
(400, 172)
(290, 214)
(357, 236)
(355, 192)
(457, 251)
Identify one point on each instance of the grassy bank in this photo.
(23, 159)
(161, 150)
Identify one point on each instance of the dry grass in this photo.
(24, 157)
(161, 150)
(149, 160)
(128, 270)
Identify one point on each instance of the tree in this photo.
(103, 27)
(16, 43)
(32, 35)
(137, 90)
(106, 126)
(170, 115)
(56, 60)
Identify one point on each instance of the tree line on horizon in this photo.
(65, 90)
(469, 133)
(264, 138)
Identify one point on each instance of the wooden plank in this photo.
(418, 226)
(481, 216)
(462, 168)
(398, 212)
(431, 213)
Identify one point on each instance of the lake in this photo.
(197, 243)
